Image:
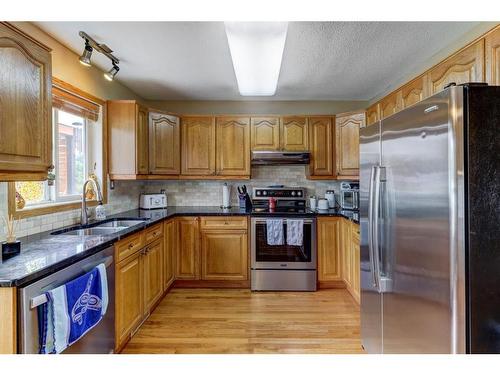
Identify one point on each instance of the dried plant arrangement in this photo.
(10, 228)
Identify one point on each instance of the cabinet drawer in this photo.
(129, 246)
(224, 222)
(153, 233)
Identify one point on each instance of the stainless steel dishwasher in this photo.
(101, 339)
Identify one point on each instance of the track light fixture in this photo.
(87, 53)
(90, 46)
(110, 75)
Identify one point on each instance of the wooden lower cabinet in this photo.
(224, 255)
(169, 248)
(188, 249)
(338, 254)
(153, 274)
(329, 257)
(129, 285)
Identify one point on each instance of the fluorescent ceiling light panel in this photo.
(256, 50)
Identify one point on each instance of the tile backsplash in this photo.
(125, 195)
(209, 193)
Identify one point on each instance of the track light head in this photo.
(110, 75)
(87, 53)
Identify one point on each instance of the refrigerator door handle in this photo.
(375, 228)
(371, 190)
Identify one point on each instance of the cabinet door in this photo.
(188, 249)
(25, 106)
(372, 114)
(322, 147)
(493, 57)
(465, 66)
(355, 262)
(153, 274)
(347, 150)
(224, 255)
(169, 249)
(390, 105)
(294, 134)
(329, 251)
(198, 146)
(413, 92)
(346, 253)
(142, 144)
(265, 133)
(129, 282)
(164, 141)
(233, 146)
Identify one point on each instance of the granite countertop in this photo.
(43, 253)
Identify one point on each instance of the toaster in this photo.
(152, 201)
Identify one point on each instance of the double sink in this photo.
(105, 227)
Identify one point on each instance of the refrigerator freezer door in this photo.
(417, 311)
(371, 299)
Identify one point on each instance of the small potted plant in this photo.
(11, 247)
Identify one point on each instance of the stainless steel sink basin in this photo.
(109, 226)
(120, 223)
(96, 231)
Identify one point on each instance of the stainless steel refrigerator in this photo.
(430, 226)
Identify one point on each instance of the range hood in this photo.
(279, 157)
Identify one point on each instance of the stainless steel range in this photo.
(283, 266)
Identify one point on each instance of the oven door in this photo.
(264, 256)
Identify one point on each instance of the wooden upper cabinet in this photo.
(322, 141)
(413, 92)
(347, 146)
(164, 143)
(224, 255)
(390, 105)
(233, 146)
(265, 133)
(465, 66)
(294, 133)
(492, 47)
(372, 114)
(188, 248)
(329, 254)
(198, 146)
(127, 130)
(25, 106)
(142, 144)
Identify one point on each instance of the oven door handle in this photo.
(306, 221)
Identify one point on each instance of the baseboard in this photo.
(336, 284)
(243, 284)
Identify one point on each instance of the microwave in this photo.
(349, 196)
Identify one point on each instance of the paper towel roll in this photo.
(226, 196)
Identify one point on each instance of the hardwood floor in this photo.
(239, 321)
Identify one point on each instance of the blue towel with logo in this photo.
(72, 310)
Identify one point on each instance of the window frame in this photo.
(61, 206)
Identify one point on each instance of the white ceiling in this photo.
(321, 61)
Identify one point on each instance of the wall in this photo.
(258, 107)
(209, 193)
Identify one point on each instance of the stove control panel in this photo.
(279, 193)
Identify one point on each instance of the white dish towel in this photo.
(275, 235)
(295, 232)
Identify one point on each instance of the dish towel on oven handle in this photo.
(72, 310)
(275, 234)
(295, 232)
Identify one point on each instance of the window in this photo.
(77, 152)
